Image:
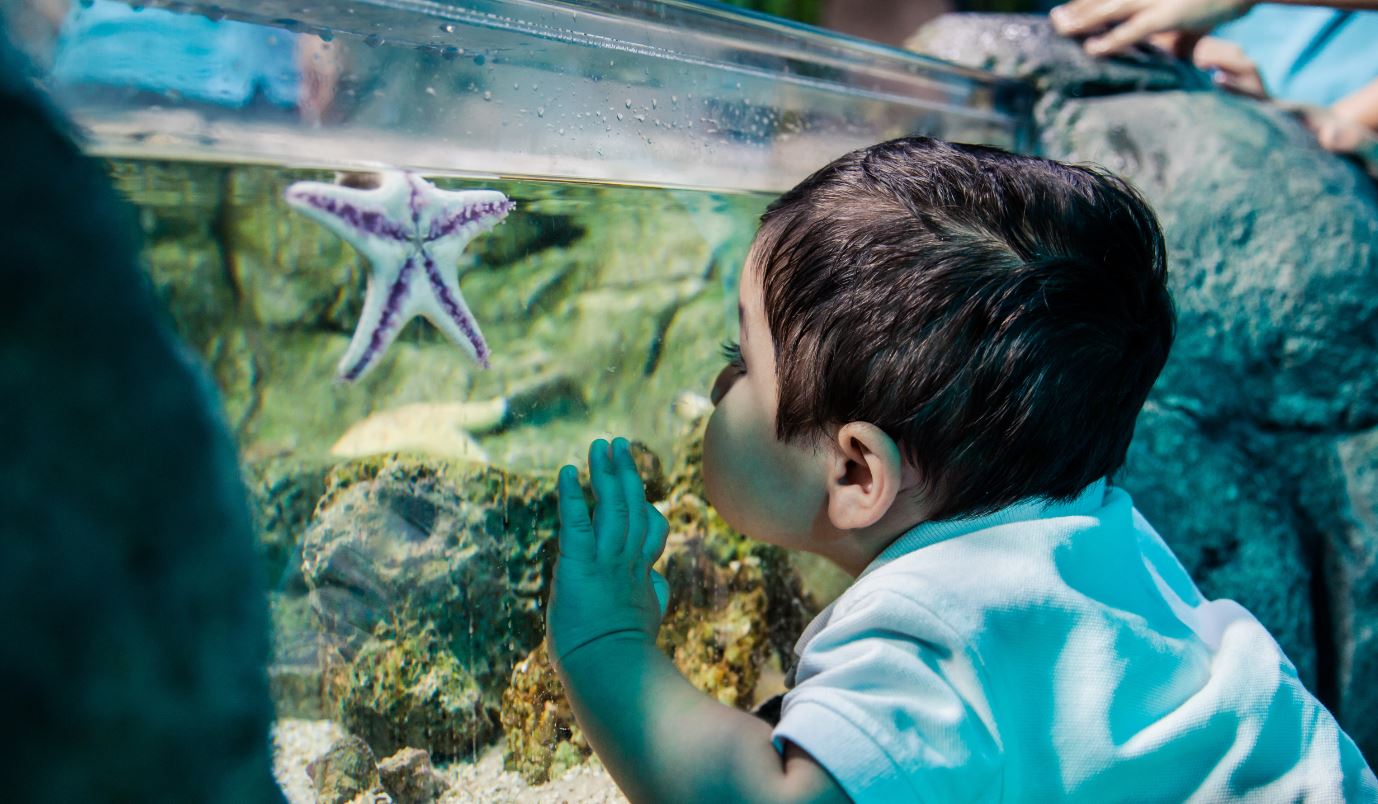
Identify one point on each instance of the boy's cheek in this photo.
(719, 466)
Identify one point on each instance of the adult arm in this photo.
(1128, 22)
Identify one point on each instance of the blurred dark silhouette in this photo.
(133, 627)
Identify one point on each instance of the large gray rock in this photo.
(1024, 46)
(426, 581)
(1255, 455)
(134, 633)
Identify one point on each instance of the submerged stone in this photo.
(408, 777)
(348, 770)
(426, 580)
(405, 688)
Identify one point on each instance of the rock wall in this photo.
(1257, 455)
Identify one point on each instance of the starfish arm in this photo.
(463, 214)
(386, 310)
(356, 215)
(444, 307)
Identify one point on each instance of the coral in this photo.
(543, 741)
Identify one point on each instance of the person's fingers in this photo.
(634, 492)
(576, 529)
(1085, 16)
(1230, 67)
(1179, 44)
(1126, 34)
(610, 514)
(1212, 52)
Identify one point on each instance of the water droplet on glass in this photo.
(674, 99)
(449, 53)
(629, 103)
(619, 115)
(373, 40)
(480, 59)
(446, 27)
(325, 35)
(561, 132)
(540, 111)
(653, 103)
(487, 95)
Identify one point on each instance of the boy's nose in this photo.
(723, 383)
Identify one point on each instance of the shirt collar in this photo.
(926, 533)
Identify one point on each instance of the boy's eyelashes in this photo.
(732, 353)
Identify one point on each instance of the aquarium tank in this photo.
(428, 250)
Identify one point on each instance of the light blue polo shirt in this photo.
(1055, 652)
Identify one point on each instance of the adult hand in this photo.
(1335, 132)
(1132, 21)
(603, 582)
(1229, 67)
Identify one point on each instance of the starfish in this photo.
(412, 234)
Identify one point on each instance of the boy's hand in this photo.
(603, 580)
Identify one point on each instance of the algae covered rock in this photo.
(457, 546)
(406, 688)
(543, 739)
(408, 777)
(426, 579)
(346, 771)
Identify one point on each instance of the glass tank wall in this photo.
(404, 491)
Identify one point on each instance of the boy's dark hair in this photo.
(1002, 317)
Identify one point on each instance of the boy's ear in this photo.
(865, 474)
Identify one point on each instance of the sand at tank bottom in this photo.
(297, 742)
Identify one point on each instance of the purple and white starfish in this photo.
(412, 234)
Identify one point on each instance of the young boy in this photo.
(943, 352)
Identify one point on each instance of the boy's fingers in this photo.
(657, 529)
(633, 492)
(610, 515)
(576, 530)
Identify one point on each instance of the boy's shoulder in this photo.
(1017, 567)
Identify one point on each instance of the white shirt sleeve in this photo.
(894, 706)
